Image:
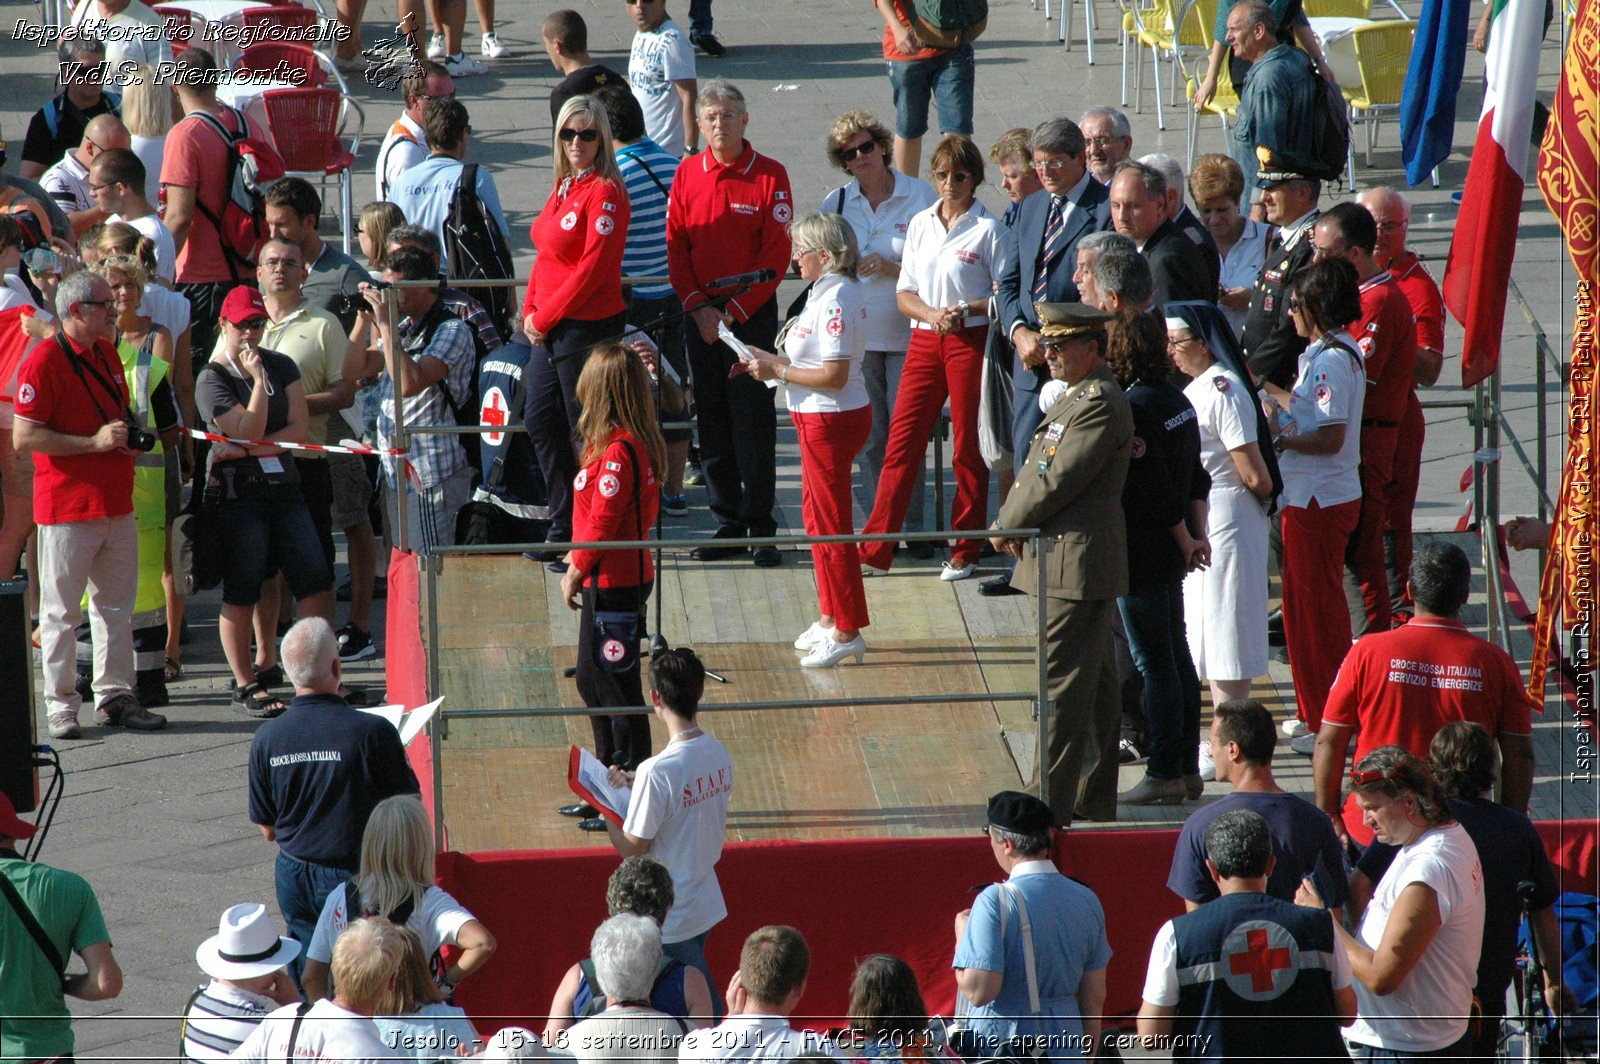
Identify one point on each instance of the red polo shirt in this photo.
(580, 240)
(726, 220)
(1386, 334)
(1399, 688)
(1427, 305)
(80, 487)
(603, 508)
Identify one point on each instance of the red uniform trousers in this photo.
(1366, 579)
(1316, 624)
(829, 444)
(1403, 500)
(936, 367)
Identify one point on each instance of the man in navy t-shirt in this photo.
(1303, 841)
(315, 774)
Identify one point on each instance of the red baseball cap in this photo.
(243, 304)
(11, 825)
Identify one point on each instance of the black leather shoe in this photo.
(997, 586)
(713, 553)
(582, 810)
(558, 567)
(1275, 636)
(592, 824)
(921, 549)
(767, 558)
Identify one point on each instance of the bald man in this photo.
(68, 180)
(1393, 216)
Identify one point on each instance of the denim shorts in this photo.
(266, 530)
(946, 77)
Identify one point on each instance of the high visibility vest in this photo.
(145, 372)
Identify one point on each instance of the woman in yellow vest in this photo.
(146, 351)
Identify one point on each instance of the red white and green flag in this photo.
(1485, 241)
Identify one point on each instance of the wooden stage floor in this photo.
(837, 770)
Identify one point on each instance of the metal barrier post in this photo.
(391, 359)
(1043, 709)
(1501, 628)
(438, 728)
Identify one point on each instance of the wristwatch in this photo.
(783, 374)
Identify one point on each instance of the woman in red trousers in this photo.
(574, 298)
(953, 254)
(821, 364)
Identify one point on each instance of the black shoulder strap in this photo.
(589, 973)
(651, 174)
(354, 905)
(838, 200)
(294, 1031)
(183, 1028)
(31, 924)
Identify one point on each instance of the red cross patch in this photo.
(1138, 447)
(1259, 960)
(613, 650)
(493, 412)
(609, 485)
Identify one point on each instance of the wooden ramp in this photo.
(834, 770)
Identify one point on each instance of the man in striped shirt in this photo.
(247, 961)
(647, 172)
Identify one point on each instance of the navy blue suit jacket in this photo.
(1015, 298)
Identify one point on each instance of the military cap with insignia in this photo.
(1058, 321)
(1276, 167)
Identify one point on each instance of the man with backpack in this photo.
(199, 171)
(928, 46)
(1278, 103)
(57, 127)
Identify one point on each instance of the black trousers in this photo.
(738, 429)
(550, 409)
(205, 307)
(667, 332)
(624, 739)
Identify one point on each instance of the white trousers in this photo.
(102, 556)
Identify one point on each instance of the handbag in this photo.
(995, 399)
(616, 632)
(197, 550)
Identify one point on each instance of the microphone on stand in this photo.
(745, 280)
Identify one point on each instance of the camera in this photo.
(354, 302)
(140, 439)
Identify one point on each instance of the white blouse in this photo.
(946, 266)
(882, 231)
(831, 327)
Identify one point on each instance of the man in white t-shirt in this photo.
(116, 181)
(762, 995)
(406, 145)
(679, 810)
(365, 963)
(661, 71)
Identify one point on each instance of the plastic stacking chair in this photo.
(1224, 103)
(183, 27)
(1064, 29)
(289, 16)
(268, 56)
(1383, 55)
(310, 128)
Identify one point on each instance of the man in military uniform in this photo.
(1070, 488)
(1289, 195)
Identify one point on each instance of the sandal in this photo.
(172, 671)
(271, 676)
(254, 700)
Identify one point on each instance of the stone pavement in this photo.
(157, 821)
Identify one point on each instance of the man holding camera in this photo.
(72, 414)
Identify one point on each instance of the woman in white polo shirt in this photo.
(821, 364)
(1317, 433)
(954, 251)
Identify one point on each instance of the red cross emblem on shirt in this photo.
(1259, 960)
(494, 412)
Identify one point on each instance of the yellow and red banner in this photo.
(1569, 173)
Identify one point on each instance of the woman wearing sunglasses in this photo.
(954, 250)
(574, 299)
(1317, 433)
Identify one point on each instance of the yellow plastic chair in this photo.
(1155, 27)
(1383, 55)
(1338, 8)
(1224, 103)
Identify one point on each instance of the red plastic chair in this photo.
(288, 16)
(267, 57)
(183, 27)
(308, 129)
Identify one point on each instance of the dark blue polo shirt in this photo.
(317, 772)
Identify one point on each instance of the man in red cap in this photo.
(53, 913)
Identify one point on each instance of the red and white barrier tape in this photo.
(344, 447)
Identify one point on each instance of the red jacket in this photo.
(724, 220)
(580, 241)
(603, 509)
(1386, 332)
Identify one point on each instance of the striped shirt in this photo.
(220, 1018)
(646, 252)
(435, 457)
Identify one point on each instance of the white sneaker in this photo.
(830, 652)
(809, 638)
(1208, 767)
(462, 65)
(1294, 727)
(64, 725)
(1303, 744)
(436, 46)
(872, 570)
(492, 48)
(950, 573)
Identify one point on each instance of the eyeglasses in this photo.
(1101, 142)
(1050, 165)
(848, 154)
(109, 184)
(441, 96)
(251, 324)
(587, 136)
(1294, 303)
(953, 176)
(712, 118)
(1173, 345)
(280, 264)
(102, 303)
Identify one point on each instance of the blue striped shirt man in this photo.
(647, 171)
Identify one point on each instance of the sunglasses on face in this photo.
(849, 154)
(1294, 303)
(956, 176)
(587, 136)
(1050, 165)
(251, 324)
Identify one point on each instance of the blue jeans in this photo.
(947, 77)
(692, 952)
(1153, 618)
(699, 23)
(303, 888)
(266, 529)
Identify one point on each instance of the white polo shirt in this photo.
(946, 266)
(882, 231)
(832, 327)
(1329, 391)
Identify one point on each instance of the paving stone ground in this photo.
(157, 821)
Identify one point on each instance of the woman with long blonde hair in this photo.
(616, 494)
(147, 112)
(396, 882)
(415, 1019)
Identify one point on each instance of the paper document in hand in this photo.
(739, 348)
(589, 780)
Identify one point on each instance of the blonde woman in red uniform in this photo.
(821, 364)
(615, 497)
(574, 299)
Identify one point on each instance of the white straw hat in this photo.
(246, 945)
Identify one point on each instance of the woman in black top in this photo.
(250, 393)
(1163, 501)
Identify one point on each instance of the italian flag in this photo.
(1485, 240)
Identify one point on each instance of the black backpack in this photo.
(477, 249)
(1330, 131)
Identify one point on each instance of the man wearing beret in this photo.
(1070, 488)
(1031, 953)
